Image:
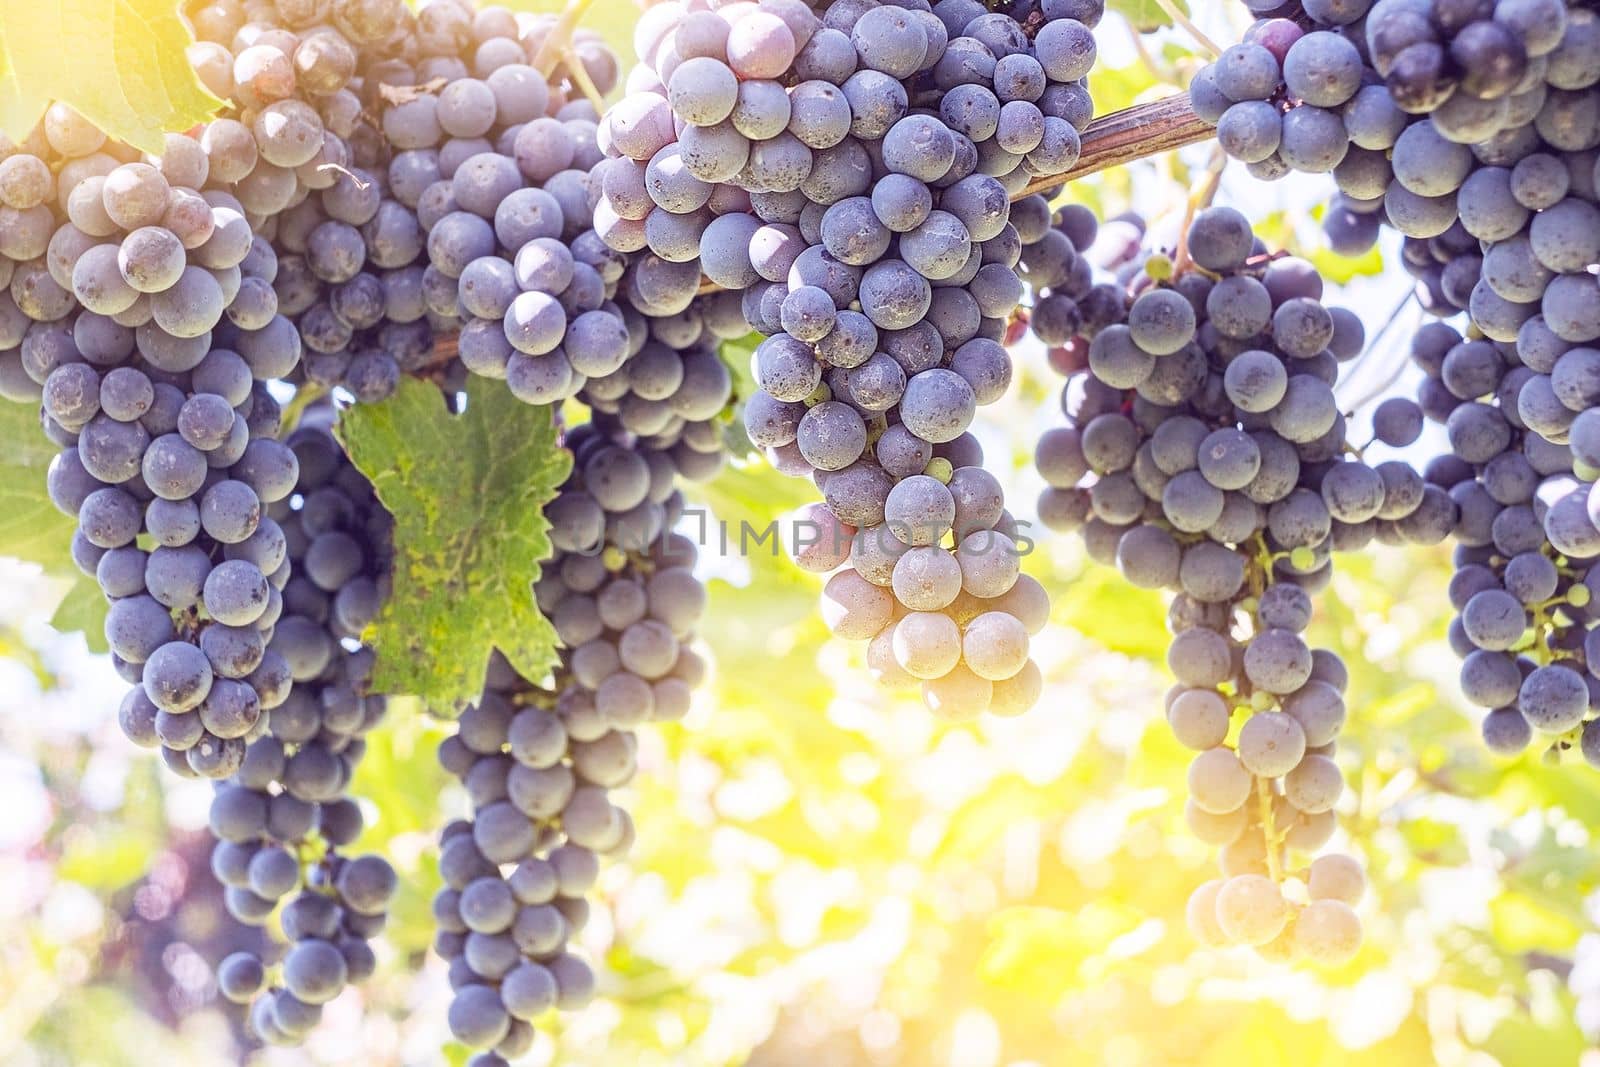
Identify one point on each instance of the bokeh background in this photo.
(825, 875)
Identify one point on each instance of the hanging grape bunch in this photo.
(1456, 124)
(442, 199)
(1204, 455)
(539, 762)
(742, 153)
(1471, 129)
(166, 426)
(282, 820)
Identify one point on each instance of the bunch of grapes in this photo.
(121, 274)
(1471, 128)
(1067, 304)
(299, 149)
(530, 281)
(1205, 454)
(1525, 582)
(673, 389)
(436, 193)
(284, 820)
(109, 258)
(496, 166)
(849, 171)
(448, 150)
(540, 762)
(1449, 121)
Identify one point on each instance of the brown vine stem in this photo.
(405, 94)
(1130, 135)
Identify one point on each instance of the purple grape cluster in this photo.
(1454, 123)
(848, 171)
(540, 761)
(674, 388)
(284, 822)
(497, 168)
(1069, 302)
(120, 320)
(1205, 454)
(339, 207)
(1472, 128)
(1526, 540)
(298, 146)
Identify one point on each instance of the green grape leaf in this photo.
(83, 608)
(467, 494)
(120, 63)
(32, 529)
(1102, 607)
(1145, 16)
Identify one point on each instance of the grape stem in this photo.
(307, 395)
(1393, 373)
(550, 52)
(1261, 556)
(1259, 578)
(395, 95)
(1129, 135)
(353, 176)
(580, 76)
(1199, 200)
(1153, 65)
(1175, 13)
(1268, 830)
